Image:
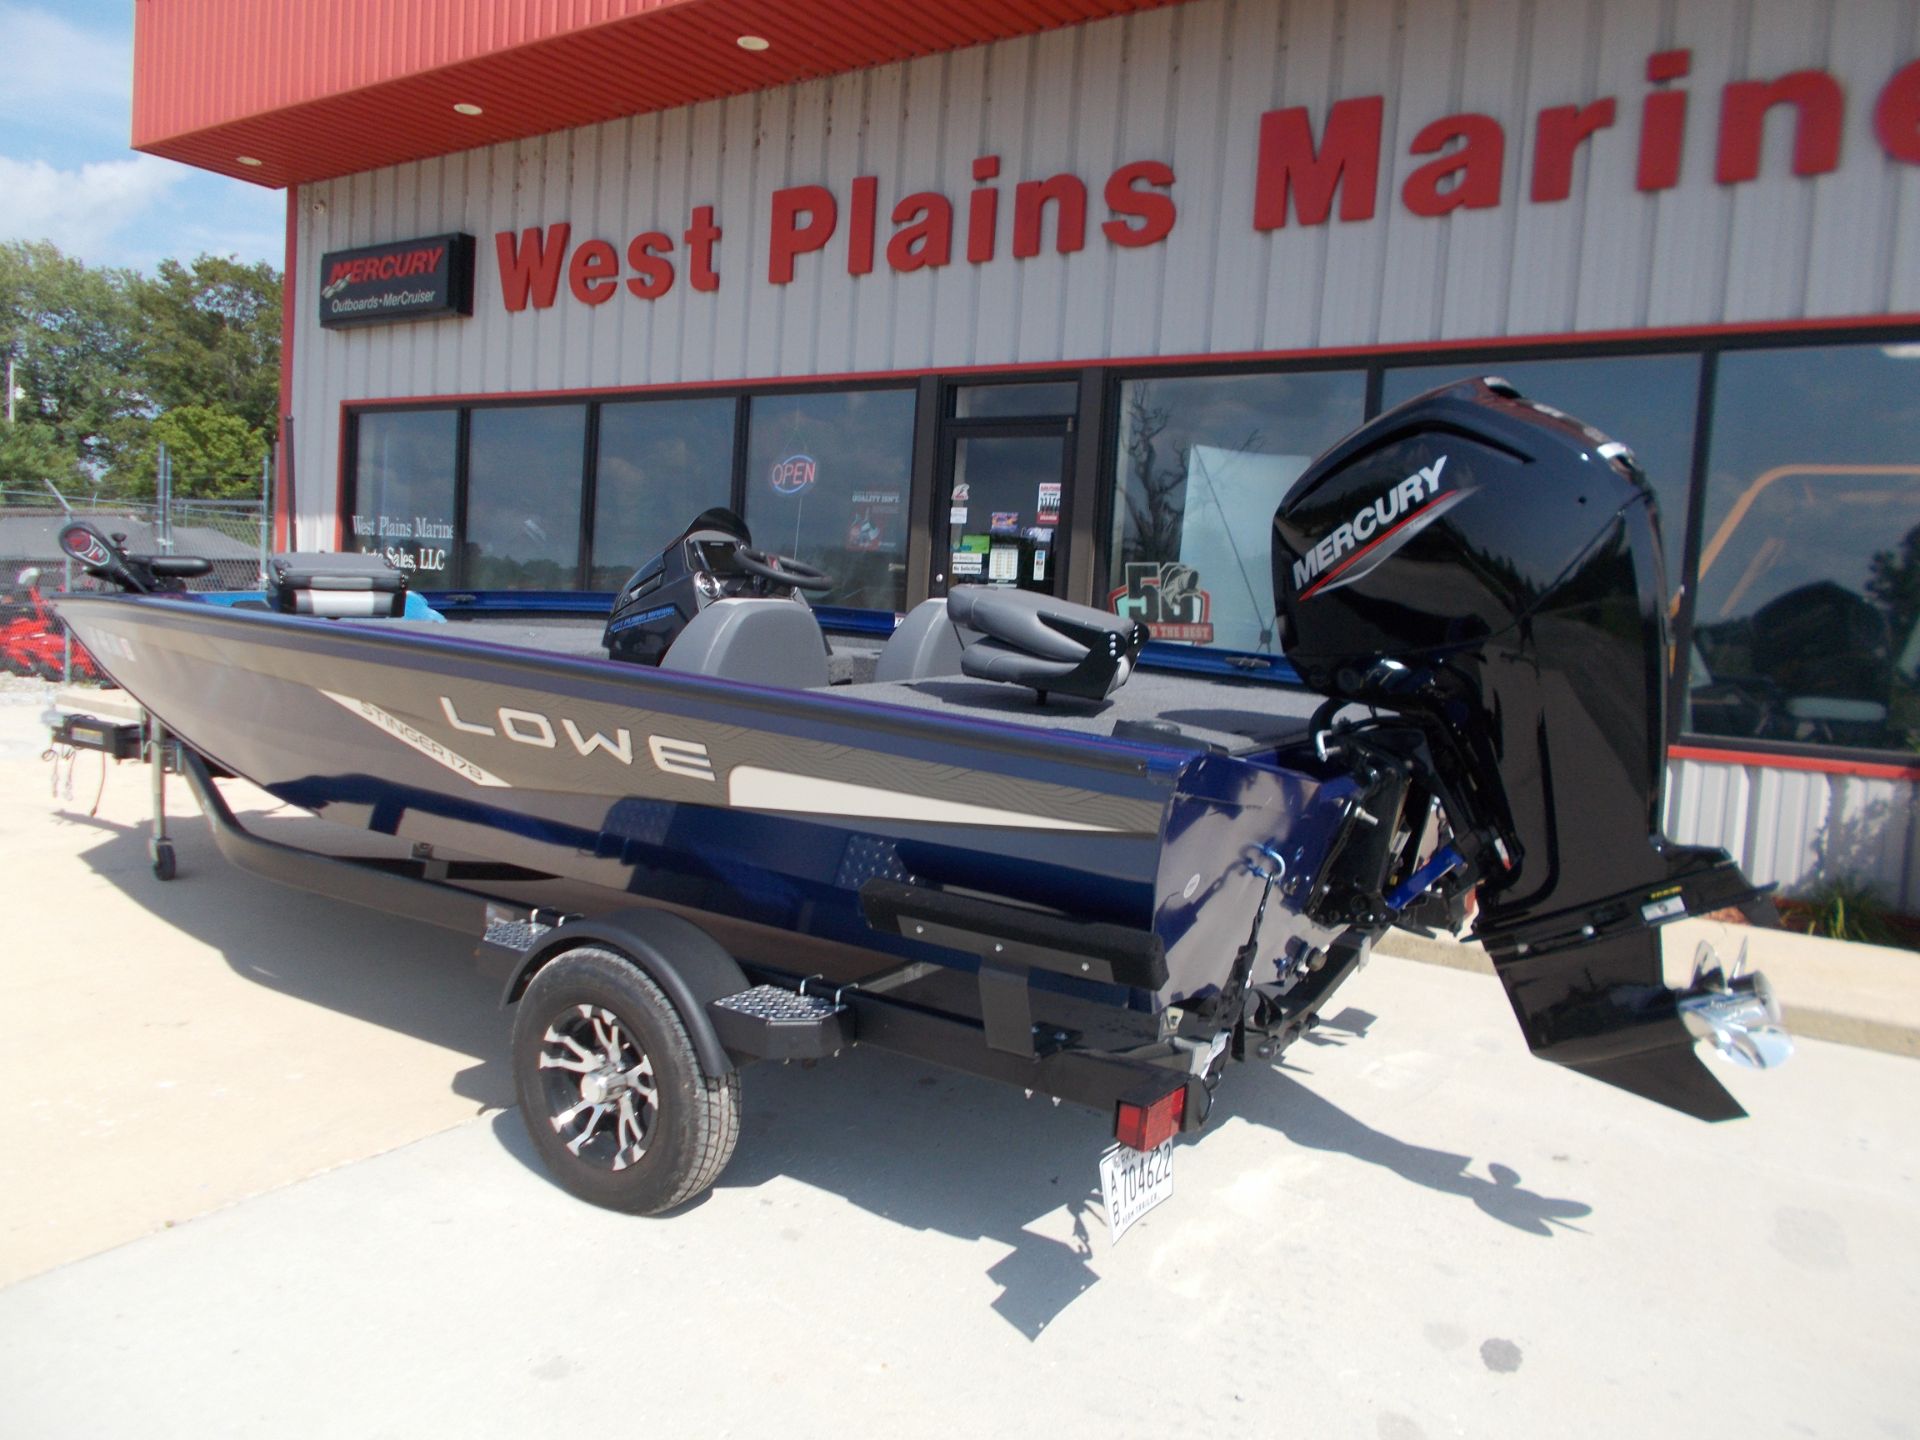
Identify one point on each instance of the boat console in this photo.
(711, 562)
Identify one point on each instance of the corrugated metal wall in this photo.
(1792, 826)
(1185, 85)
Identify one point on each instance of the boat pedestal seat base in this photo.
(763, 642)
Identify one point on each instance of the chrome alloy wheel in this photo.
(599, 1085)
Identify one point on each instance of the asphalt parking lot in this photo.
(256, 1178)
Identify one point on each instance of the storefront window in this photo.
(403, 479)
(1203, 463)
(1647, 402)
(661, 462)
(827, 482)
(523, 497)
(1807, 622)
(980, 402)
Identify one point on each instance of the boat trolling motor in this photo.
(105, 558)
(1483, 574)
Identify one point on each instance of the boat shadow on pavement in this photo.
(918, 1146)
(947, 1153)
(412, 978)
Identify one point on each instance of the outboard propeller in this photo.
(1737, 1014)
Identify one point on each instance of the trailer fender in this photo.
(677, 955)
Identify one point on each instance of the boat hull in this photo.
(588, 785)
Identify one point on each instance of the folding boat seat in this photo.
(1048, 645)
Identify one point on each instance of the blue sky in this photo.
(67, 173)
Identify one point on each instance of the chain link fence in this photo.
(234, 534)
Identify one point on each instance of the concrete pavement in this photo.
(1411, 1229)
(1415, 1231)
(170, 1048)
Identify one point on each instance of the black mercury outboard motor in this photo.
(1485, 573)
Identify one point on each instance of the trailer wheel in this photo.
(611, 1090)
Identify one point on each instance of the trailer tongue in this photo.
(684, 844)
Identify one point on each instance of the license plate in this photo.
(1132, 1182)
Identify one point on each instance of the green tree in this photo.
(215, 455)
(73, 335)
(30, 452)
(1894, 584)
(210, 336)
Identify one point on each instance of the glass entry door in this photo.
(1003, 507)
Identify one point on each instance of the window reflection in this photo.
(403, 474)
(1807, 623)
(979, 402)
(827, 482)
(1204, 461)
(523, 497)
(661, 462)
(1648, 402)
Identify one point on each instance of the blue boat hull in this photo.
(586, 785)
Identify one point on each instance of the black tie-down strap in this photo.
(1011, 942)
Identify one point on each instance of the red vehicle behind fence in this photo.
(32, 641)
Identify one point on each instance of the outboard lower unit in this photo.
(1484, 574)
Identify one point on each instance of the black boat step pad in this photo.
(769, 1023)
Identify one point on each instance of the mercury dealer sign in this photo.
(403, 280)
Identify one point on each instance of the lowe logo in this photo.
(687, 758)
(1356, 546)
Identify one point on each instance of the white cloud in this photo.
(87, 211)
(68, 177)
(58, 71)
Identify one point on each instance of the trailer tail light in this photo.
(1150, 1124)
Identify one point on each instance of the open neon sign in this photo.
(794, 475)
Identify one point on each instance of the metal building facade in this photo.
(1785, 826)
(1185, 86)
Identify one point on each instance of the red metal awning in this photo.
(313, 89)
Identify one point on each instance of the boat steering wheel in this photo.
(781, 569)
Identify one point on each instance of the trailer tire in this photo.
(611, 1089)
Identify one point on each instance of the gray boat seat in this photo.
(1048, 645)
(764, 642)
(923, 646)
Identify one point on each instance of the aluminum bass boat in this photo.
(1008, 834)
